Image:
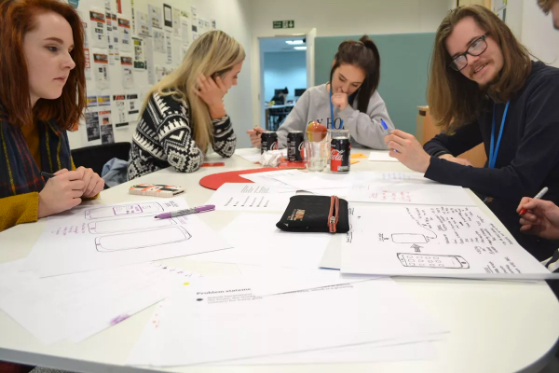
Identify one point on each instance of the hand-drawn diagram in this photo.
(140, 240)
(433, 261)
(123, 210)
(127, 225)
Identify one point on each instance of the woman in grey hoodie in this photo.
(350, 100)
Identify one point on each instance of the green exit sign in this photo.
(284, 24)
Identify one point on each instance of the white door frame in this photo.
(257, 83)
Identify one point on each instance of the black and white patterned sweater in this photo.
(164, 137)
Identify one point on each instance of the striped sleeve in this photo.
(225, 139)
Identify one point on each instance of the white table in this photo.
(495, 326)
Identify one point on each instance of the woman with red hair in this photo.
(42, 95)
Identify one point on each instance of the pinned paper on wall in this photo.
(87, 68)
(127, 72)
(159, 41)
(168, 15)
(142, 27)
(177, 27)
(150, 66)
(114, 32)
(133, 107)
(91, 101)
(185, 25)
(155, 19)
(107, 134)
(92, 126)
(139, 54)
(97, 23)
(214, 24)
(124, 33)
(104, 100)
(101, 62)
(169, 46)
(194, 23)
(120, 106)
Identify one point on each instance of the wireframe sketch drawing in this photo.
(128, 225)
(141, 240)
(433, 261)
(123, 210)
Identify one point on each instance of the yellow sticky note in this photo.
(186, 283)
(358, 156)
(353, 161)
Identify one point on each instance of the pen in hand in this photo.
(537, 196)
(385, 127)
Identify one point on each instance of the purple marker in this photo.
(194, 210)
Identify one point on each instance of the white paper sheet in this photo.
(251, 197)
(275, 280)
(104, 236)
(435, 241)
(76, 306)
(381, 156)
(409, 192)
(257, 241)
(268, 177)
(253, 155)
(238, 325)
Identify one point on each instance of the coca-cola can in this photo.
(268, 141)
(295, 146)
(339, 154)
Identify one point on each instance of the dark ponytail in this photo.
(363, 54)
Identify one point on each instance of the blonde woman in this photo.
(184, 115)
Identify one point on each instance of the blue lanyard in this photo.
(332, 111)
(494, 149)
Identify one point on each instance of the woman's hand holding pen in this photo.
(541, 218)
(212, 92)
(255, 134)
(61, 192)
(339, 99)
(405, 148)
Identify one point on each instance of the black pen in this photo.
(46, 175)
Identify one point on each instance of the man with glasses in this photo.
(484, 88)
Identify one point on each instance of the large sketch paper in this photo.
(76, 306)
(235, 323)
(434, 241)
(266, 245)
(104, 236)
(409, 192)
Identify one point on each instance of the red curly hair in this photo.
(17, 17)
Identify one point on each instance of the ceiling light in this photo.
(294, 42)
(300, 48)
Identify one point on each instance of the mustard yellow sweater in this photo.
(23, 208)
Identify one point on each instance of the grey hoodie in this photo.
(314, 105)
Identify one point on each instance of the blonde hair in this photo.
(455, 99)
(212, 54)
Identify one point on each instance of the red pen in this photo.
(538, 196)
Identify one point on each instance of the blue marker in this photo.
(385, 126)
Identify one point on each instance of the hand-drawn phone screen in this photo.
(128, 225)
(433, 261)
(140, 240)
(122, 210)
(408, 238)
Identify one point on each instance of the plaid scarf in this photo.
(19, 173)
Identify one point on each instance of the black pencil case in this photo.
(315, 214)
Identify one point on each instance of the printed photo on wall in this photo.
(124, 32)
(127, 72)
(92, 126)
(139, 54)
(101, 62)
(97, 27)
(107, 134)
